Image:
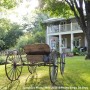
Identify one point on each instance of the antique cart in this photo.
(37, 55)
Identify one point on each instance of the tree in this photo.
(5, 24)
(4, 28)
(81, 10)
(8, 4)
(12, 35)
(36, 28)
(55, 8)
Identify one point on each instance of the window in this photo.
(76, 42)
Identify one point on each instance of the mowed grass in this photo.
(76, 77)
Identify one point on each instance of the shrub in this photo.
(22, 41)
(76, 51)
(2, 61)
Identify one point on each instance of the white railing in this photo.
(53, 29)
(63, 28)
(75, 27)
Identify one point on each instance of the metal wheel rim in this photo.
(53, 74)
(62, 68)
(53, 68)
(14, 71)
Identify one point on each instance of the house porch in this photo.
(67, 42)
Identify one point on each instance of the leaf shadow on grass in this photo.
(11, 85)
(33, 81)
(66, 81)
(70, 80)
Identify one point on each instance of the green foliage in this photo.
(2, 60)
(56, 8)
(76, 51)
(35, 34)
(22, 41)
(2, 33)
(9, 33)
(39, 37)
(2, 43)
(8, 4)
(39, 29)
(5, 26)
(12, 35)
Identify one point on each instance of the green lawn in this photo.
(76, 77)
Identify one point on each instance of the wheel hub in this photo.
(14, 65)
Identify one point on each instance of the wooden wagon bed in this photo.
(35, 52)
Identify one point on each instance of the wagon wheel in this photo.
(13, 65)
(53, 68)
(62, 63)
(31, 68)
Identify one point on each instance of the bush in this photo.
(76, 51)
(22, 41)
(2, 61)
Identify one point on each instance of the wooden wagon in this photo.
(37, 55)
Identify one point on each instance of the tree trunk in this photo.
(88, 47)
(88, 37)
(88, 31)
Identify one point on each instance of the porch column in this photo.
(71, 26)
(60, 43)
(47, 36)
(48, 39)
(59, 27)
(72, 38)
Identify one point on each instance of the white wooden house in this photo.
(64, 34)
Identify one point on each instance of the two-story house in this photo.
(64, 34)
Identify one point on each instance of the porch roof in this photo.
(51, 20)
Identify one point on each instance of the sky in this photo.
(26, 8)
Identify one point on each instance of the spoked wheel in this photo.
(32, 68)
(13, 65)
(62, 66)
(53, 68)
(62, 63)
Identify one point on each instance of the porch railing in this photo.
(53, 29)
(63, 28)
(75, 27)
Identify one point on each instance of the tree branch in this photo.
(78, 12)
(81, 14)
(73, 9)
